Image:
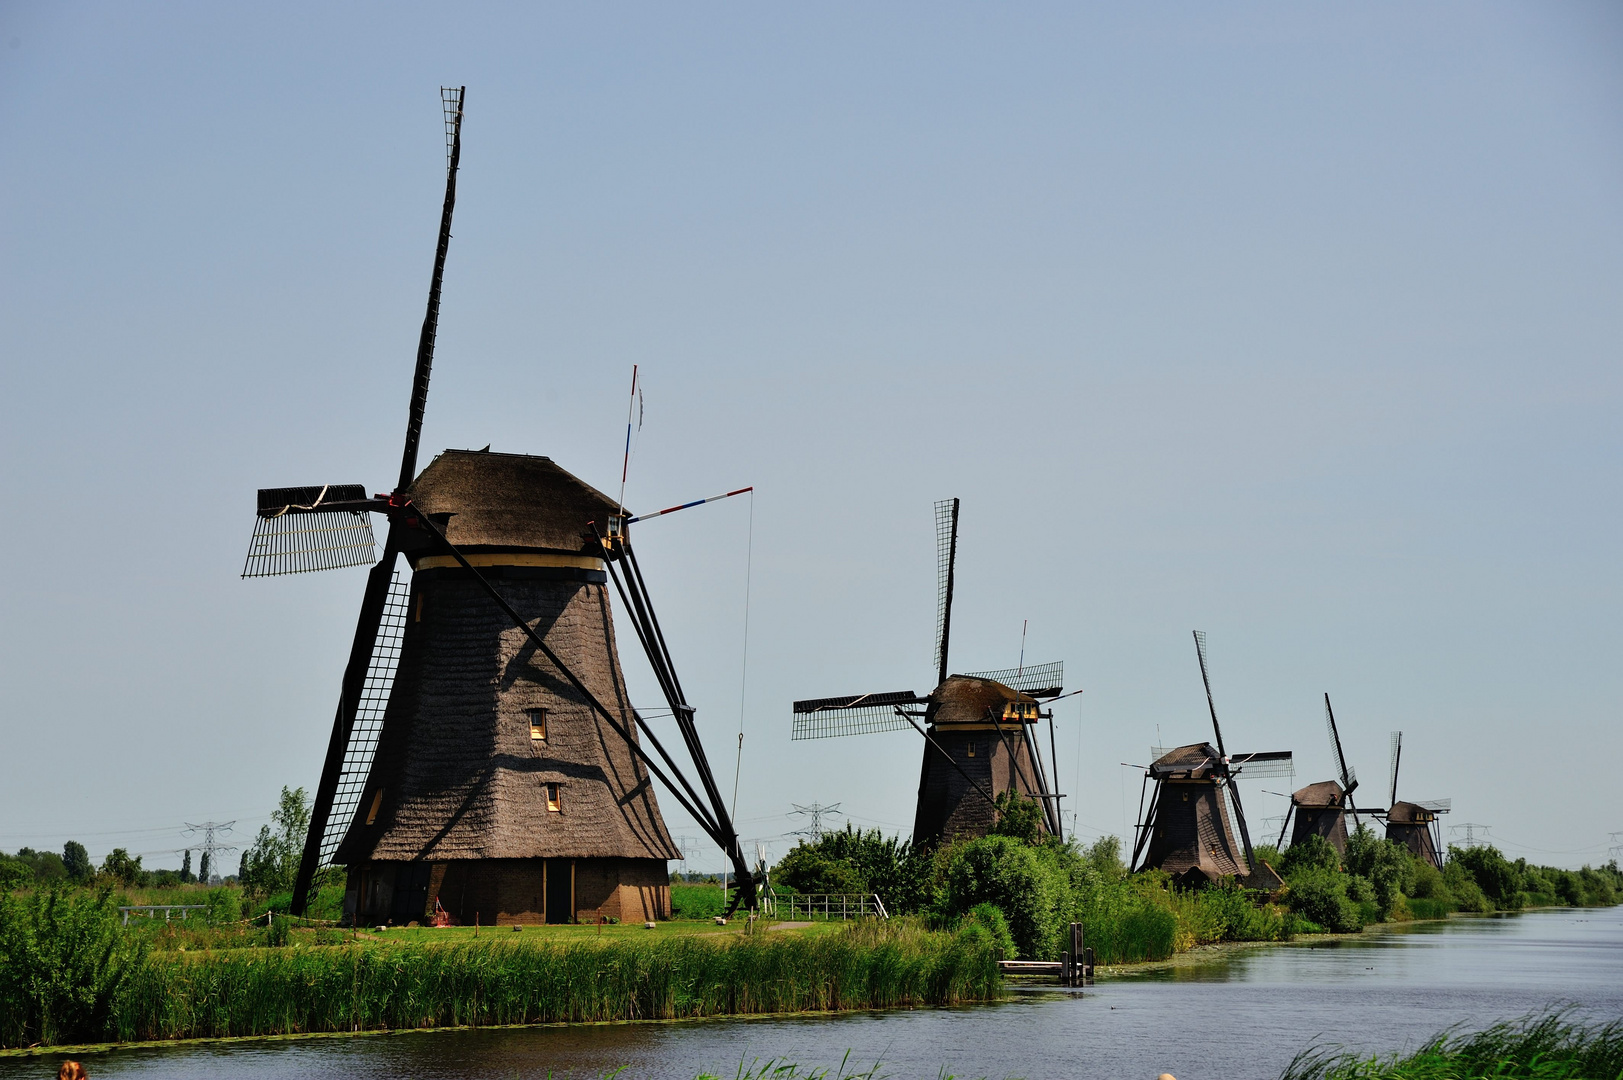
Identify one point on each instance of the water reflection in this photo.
(1242, 1013)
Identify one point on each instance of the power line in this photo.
(816, 812)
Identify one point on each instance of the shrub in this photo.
(1387, 866)
(985, 924)
(1428, 882)
(1462, 887)
(14, 874)
(1493, 873)
(1018, 816)
(1032, 892)
(62, 961)
(1320, 895)
(1313, 853)
(857, 860)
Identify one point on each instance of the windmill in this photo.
(1321, 809)
(1188, 831)
(1414, 824)
(978, 729)
(484, 759)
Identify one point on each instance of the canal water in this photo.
(1241, 1013)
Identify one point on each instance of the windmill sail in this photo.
(294, 535)
(368, 723)
(1037, 680)
(852, 714)
(1348, 777)
(1397, 753)
(946, 555)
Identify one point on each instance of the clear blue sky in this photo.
(1296, 324)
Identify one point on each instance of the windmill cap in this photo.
(964, 699)
(1404, 813)
(511, 502)
(1196, 759)
(1324, 793)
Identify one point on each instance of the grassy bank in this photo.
(1547, 1047)
(72, 975)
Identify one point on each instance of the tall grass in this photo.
(1546, 1046)
(368, 987)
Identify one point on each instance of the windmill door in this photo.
(560, 890)
(410, 892)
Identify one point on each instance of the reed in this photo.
(363, 987)
(1547, 1046)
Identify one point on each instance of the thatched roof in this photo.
(1325, 793)
(1196, 760)
(964, 699)
(511, 502)
(1408, 813)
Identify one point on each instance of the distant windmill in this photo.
(1414, 825)
(978, 729)
(1188, 831)
(1321, 809)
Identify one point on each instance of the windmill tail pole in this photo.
(453, 102)
(349, 700)
(687, 505)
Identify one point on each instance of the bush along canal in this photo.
(119, 992)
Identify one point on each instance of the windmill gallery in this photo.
(486, 765)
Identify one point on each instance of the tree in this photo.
(1312, 853)
(1386, 863)
(14, 873)
(186, 868)
(76, 861)
(272, 862)
(203, 868)
(47, 865)
(120, 867)
(1495, 875)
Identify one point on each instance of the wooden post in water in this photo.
(1076, 970)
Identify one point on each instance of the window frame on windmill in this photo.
(538, 724)
(555, 797)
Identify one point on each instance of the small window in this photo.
(538, 725)
(555, 797)
(971, 749)
(377, 804)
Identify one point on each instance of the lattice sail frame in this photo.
(363, 735)
(1035, 680)
(451, 102)
(944, 509)
(293, 536)
(853, 714)
(1244, 766)
(1347, 774)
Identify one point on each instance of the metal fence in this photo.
(824, 905)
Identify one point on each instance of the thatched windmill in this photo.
(1414, 824)
(978, 729)
(1188, 831)
(1321, 809)
(485, 763)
